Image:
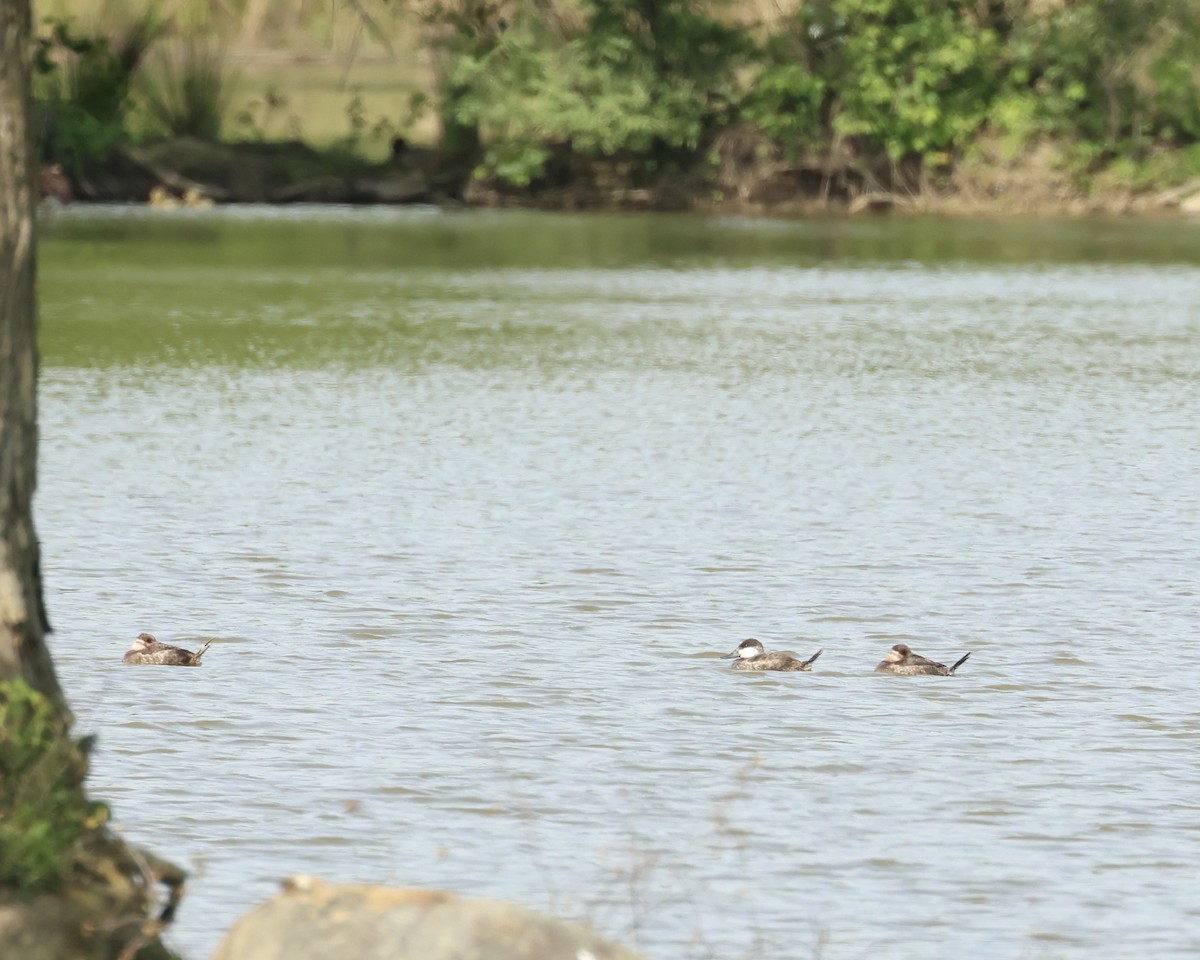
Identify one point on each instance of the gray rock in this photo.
(315, 920)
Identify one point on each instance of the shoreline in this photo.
(190, 173)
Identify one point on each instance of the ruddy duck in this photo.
(146, 649)
(750, 655)
(902, 661)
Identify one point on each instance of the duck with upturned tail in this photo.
(147, 649)
(902, 661)
(750, 655)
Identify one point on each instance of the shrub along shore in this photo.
(951, 106)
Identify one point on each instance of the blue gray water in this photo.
(471, 504)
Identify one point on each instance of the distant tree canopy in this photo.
(530, 93)
(903, 82)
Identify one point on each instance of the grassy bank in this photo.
(322, 75)
(326, 101)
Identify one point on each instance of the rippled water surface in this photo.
(471, 503)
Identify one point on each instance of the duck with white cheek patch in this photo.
(750, 655)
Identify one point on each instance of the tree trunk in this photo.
(23, 623)
(105, 909)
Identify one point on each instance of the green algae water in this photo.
(471, 503)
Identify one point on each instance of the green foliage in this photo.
(1118, 75)
(81, 140)
(921, 78)
(636, 77)
(912, 77)
(790, 100)
(189, 89)
(84, 82)
(535, 92)
(1158, 169)
(44, 814)
(1016, 118)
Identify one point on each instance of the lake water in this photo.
(470, 504)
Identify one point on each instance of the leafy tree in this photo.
(1117, 76)
(84, 83)
(909, 77)
(644, 79)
